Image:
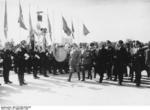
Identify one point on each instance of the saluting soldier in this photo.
(22, 56)
(34, 62)
(7, 62)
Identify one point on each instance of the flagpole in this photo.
(53, 24)
(73, 38)
(18, 19)
(61, 26)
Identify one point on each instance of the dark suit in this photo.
(121, 55)
(101, 63)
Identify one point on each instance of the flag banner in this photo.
(31, 32)
(65, 27)
(5, 20)
(85, 30)
(30, 24)
(21, 20)
(49, 27)
(73, 30)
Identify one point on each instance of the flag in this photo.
(31, 32)
(72, 30)
(30, 24)
(21, 20)
(49, 27)
(65, 27)
(5, 20)
(85, 30)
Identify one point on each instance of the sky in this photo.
(105, 19)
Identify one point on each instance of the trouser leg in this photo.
(83, 75)
(5, 75)
(78, 75)
(101, 77)
(70, 75)
(138, 77)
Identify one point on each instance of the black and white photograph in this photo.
(74, 53)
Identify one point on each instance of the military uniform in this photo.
(138, 65)
(86, 63)
(147, 60)
(101, 63)
(109, 61)
(21, 66)
(43, 63)
(121, 63)
(6, 66)
(74, 62)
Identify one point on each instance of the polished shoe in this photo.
(36, 77)
(115, 80)
(9, 82)
(120, 83)
(21, 84)
(6, 82)
(138, 85)
(24, 83)
(46, 76)
(69, 80)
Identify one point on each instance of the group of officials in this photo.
(87, 60)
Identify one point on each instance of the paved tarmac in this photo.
(55, 90)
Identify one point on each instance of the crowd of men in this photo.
(108, 58)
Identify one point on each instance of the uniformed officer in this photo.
(121, 55)
(43, 63)
(109, 59)
(74, 61)
(138, 62)
(34, 63)
(21, 65)
(147, 59)
(86, 62)
(6, 65)
(101, 61)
